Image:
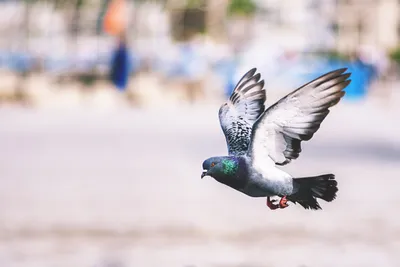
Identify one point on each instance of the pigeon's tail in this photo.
(311, 188)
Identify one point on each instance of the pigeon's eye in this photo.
(212, 164)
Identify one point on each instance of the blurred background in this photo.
(109, 107)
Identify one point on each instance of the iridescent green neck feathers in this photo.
(229, 166)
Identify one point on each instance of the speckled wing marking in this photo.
(239, 113)
(278, 132)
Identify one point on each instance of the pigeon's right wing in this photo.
(243, 108)
(277, 134)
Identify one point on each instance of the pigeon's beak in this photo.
(204, 173)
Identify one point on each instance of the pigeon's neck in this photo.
(234, 173)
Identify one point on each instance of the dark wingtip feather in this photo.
(262, 83)
(250, 73)
(346, 76)
(324, 78)
(337, 72)
(246, 77)
(257, 77)
(241, 85)
(258, 84)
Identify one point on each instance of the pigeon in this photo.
(261, 140)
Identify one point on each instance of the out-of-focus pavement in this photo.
(86, 187)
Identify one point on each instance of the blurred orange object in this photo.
(115, 18)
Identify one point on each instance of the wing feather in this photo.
(278, 132)
(243, 108)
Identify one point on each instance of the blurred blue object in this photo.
(120, 66)
(361, 76)
(16, 61)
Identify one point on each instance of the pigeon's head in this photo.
(220, 166)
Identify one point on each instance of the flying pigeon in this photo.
(260, 140)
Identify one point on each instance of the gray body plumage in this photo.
(254, 183)
(259, 140)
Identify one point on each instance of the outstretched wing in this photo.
(277, 134)
(239, 113)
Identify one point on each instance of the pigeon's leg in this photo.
(271, 204)
(283, 203)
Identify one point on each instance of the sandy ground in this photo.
(122, 188)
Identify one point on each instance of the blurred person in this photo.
(120, 64)
(115, 24)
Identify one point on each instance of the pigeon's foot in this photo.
(283, 203)
(271, 204)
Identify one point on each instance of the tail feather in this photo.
(311, 188)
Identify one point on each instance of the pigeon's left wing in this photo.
(244, 107)
(277, 134)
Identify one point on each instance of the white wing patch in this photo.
(277, 134)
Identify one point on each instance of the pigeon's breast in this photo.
(258, 185)
(255, 190)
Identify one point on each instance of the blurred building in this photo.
(342, 24)
(199, 16)
(296, 25)
(373, 23)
